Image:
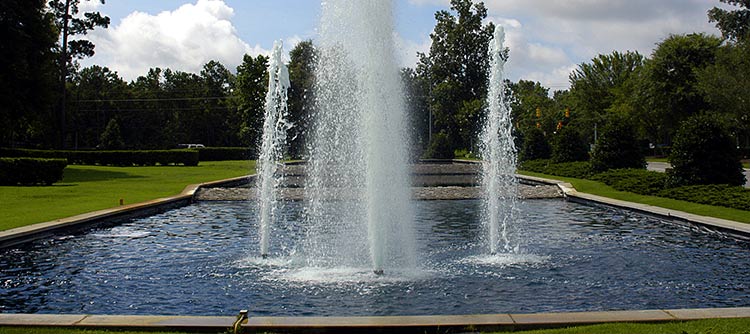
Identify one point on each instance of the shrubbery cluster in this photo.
(112, 158)
(31, 171)
(577, 169)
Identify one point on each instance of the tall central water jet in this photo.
(358, 187)
(499, 156)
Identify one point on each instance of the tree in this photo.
(704, 153)
(300, 96)
(599, 87)
(250, 92)
(219, 123)
(27, 77)
(416, 95)
(70, 24)
(617, 147)
(535, 145)
(456, 68)
(111, 138)
(735, 24)
(96, 93)
(526, 98)
(568, 146)
(668, 86)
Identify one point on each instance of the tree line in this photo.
(93, 107)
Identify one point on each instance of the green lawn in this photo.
(713, 326)
(601, 189)
(90, 188)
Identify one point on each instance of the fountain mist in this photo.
(358, 195)
(499, 156)
(275, 127)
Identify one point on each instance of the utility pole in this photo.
(63, 75)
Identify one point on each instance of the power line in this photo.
(159, 99)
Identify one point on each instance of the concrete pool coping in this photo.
(410, 324)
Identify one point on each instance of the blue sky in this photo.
(548, 38)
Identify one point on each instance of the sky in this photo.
(547, 38)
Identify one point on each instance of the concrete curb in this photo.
(391, 324)
(736, 229)
(109, 216)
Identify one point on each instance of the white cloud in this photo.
(407, 50)
(183, 39)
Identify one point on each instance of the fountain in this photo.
(358, 179)
(499, 156)
(275, 127)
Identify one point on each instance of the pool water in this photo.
(202, 260)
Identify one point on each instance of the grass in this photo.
(601, 189)
(90, 188)
(710, 326)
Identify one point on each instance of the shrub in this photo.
(112, 158)
(568, 146)
(31, 171)
(535, 146)
(735, 197)
(440, 147)
(639, 181)
(703, 152)
(577, 169)
(225, 153)
(617, 147)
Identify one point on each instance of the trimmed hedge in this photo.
(736, 197)
(112, 158)
(577, 169)
(31, 171)
(639, 181)
(225, 153)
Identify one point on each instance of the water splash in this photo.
(275, 128)
(499, 156)
(358, 197)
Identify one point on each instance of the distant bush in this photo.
(225, 153)
(535, 146)
(31, 171)
(112, 158)
(639, 181)
(568, 146)
(617, 147)
(735, 197)
(440, 147)
(577, 169)
(703, 152)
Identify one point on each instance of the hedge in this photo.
(31, 171)
(225, 153)
(578, 169)
(639, 181)
(112, 158)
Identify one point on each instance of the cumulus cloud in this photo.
(183, 39)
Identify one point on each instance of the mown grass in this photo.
(601, 189)
(90, 188)
(710, 326)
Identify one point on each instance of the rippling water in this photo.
(201, 260)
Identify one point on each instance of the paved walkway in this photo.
(662, 166)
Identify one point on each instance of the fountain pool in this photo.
(203, 260)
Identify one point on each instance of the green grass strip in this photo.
(44, 330)
(715, 326)
(91, 188)
(601, 189)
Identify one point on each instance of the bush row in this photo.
(226, 153)
(31, 171)
(644, 182)
(112, 158)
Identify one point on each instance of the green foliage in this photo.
(568, 145)
(300, 96)
(111, 138)
(457, 66)
(733, 24)
(31, 171)
(735, 197)
(440, 147)
(704, 153)
(524, 99)
(250, 92)
(418, 111)
(639, 181)
(69, 23)
(112, 158)
(535, 146)
(617, 147)
(226, 153)
(577, 169)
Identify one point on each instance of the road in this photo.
(662, 166)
